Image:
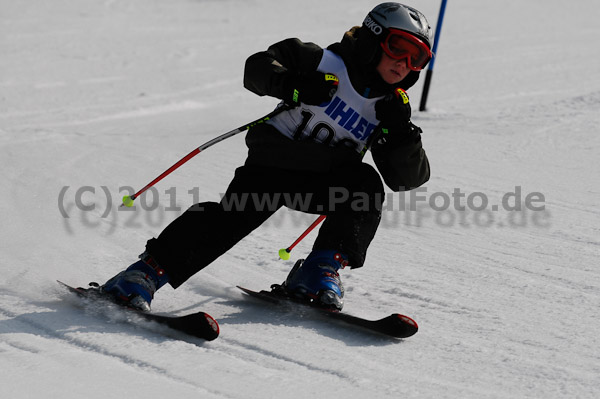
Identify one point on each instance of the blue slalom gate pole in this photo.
(429, 72)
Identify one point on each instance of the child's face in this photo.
(392, 71)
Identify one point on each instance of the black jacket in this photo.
(402, 167)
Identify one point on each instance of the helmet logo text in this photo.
(374, 26)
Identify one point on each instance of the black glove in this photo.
(313, 88)
(396, 137)
(393, 111)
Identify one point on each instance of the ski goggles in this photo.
(400, 45)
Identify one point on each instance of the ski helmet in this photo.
(376, 27)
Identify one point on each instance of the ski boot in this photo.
(135, 286)
(317, 280)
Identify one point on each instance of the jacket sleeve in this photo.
(402, 167)
(265, 72)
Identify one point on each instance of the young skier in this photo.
(338, 101)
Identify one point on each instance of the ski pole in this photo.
(284, 253)
(429, 73)
(128, 199)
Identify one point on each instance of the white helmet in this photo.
(392, 17)
(398, 16)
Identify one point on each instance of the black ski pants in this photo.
(351, 197)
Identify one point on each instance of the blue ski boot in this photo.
(135, 286)
(317, 279)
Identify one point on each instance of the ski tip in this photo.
(410, 326)
(246, 290)
(67, 286)
(407, 320)
(214, 325)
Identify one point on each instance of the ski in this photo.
(199, 324)
(394, 325)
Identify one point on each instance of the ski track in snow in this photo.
(41, 325)
(106, 95)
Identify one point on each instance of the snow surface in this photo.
(104, 95)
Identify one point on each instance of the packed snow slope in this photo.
(496, 257)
